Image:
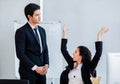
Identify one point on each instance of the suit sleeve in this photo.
(46, 55)
(20, 48)
(96, 58)
(64, 51)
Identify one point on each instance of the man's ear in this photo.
(29, 16)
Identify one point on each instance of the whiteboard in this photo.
(53, 35)
(113, 69)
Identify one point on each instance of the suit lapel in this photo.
(31, 31)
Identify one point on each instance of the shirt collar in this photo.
(79, 66)
(32, 26)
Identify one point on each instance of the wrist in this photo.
(99, 37)
(64, 36)
(34, 67)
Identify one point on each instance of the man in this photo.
(31, 47)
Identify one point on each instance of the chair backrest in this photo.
(13, 81)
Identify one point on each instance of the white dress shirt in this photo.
(75, 75)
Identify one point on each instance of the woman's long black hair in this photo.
(85, 53)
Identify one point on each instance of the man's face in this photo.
(36, 18)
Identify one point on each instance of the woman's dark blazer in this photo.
(86, 69)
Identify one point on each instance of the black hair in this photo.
(85, 53)
(30, 9)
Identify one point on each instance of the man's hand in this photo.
(42, 70)
(45, 69)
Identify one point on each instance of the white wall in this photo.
(84, 18)
(10, 10)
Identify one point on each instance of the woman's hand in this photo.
(65, 30)
(102, 31)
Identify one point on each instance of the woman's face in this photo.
(76, 55)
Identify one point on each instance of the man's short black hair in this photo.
(30, 9)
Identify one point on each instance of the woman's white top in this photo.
(74, 75)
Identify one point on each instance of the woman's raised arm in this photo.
(101, 32)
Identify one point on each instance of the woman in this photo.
(80, 67)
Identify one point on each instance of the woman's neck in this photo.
(77, 63)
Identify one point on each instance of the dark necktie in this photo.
(38, 39)
(36, 35)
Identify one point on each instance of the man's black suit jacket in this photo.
(28, 49)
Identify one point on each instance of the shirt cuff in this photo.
(46, 65)
(34, 67)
